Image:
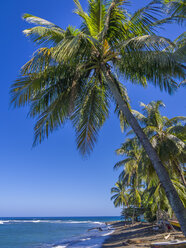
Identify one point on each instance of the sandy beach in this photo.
(138, 235)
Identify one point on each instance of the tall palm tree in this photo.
(74, 76)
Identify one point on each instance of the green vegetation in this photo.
(75, 74)
(176, 9)
(139, 182)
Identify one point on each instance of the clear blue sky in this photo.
(53, 179)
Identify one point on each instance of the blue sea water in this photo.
(54, 232)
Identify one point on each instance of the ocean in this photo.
(54, 232)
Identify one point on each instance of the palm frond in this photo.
(90, 114)
(147, 42)
(121, 163)
(144, 19)
(176, 9)
(45, 35)
(115, 17)
(97, 12)
(40, 60)
(159, 68)
(38, 21)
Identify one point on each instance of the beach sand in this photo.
(138, 235)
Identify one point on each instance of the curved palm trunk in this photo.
(161, 171)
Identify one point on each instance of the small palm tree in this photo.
(74, 75)
(120, 195)
(130, 176)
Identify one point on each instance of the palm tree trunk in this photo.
(161, 171)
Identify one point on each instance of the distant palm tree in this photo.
(74, 76)
(130, 176)
(168, 136)
(120, 195)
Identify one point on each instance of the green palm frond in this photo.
(175, 120)
(46, 36)
(139, 116)
(86, 26)
(121, 163)
(179, 143)
(40, 60)
(176, 9)
(179, 48)
(180, 41)
(123, 91)
(114, 27)
(181, 190)
(97, 12)
(51, 119)
(144, 19)
(89, 116)
(179, 131)
(38, 21)
(71, 46)
(159, 68)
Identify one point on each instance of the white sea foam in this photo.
(4, 222)
(85, 239)
(92, 239)
(99, 223)
(51, 221)
(107, 234)
(60, 246)
(30, 221)
(82, 222)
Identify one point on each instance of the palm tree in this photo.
(120, 195)
(74, 76)
(130, 177)
(167, 136)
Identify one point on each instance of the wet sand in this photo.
(138, 235)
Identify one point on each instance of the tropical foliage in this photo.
(168, 138)
(176, 9)
(120, 195)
